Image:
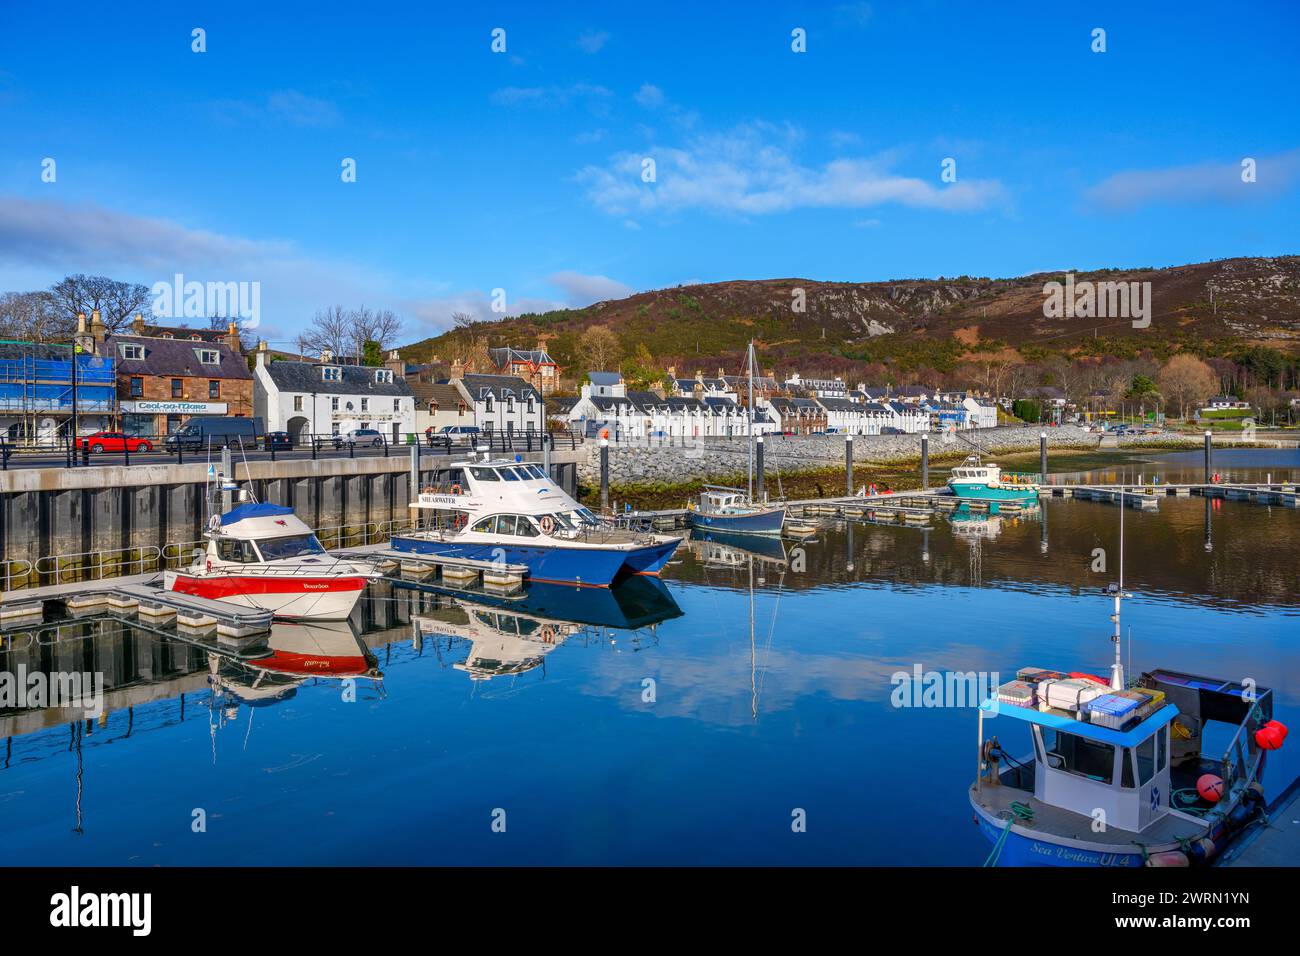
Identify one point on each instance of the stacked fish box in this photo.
(1121, 709)
(1051, 691)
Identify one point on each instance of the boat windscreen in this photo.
(484, 474)
(289, 546)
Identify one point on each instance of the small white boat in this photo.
(263, 556)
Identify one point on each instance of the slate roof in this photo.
(176, 357)
(499, 387)
(501, 357)
(560, 405)
(180, 332)
(356, 380)
(447, 396)
(609, 403)
(838, 404)
(604, 378)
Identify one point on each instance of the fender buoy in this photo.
(1210, 787)
(1081, 675)
(1271, 735)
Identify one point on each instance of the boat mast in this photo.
(749, 361)
(1117, 669)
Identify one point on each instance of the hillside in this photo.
(915, 323)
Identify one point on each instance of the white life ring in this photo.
(548, 634)
(548, 525)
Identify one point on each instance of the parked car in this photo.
(216, 431)
(114, 441)
(277, 440)
(450, 435)
(360, 436)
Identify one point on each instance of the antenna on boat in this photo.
(749, 362)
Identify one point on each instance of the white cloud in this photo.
(753, 170)
(649, 96)
(41, 241)
(1200, 183)
(593, 96)
(288, 107)
(582, 290)
(592, 41)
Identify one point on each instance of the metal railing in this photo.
(82, 566)
(99, 449)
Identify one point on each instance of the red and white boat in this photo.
(263, 556)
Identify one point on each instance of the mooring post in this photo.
(925, 461)
(1209, 462)
(848, 464)
(547, 441)
(604, 474)
(758, 468)
(1042, 457)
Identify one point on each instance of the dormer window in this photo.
(383, 376)
(132, 353)
(208, 356)
(196, 338)
(331, 373)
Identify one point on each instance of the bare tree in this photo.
(34, 316)
(330, 330)
(116, 301)
(462, 320)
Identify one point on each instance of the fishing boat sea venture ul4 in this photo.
(1116, 775)
(511, 512)
(262, 556)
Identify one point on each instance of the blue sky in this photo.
(522, 170)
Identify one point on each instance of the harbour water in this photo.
(688, 723)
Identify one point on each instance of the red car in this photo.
(115, 441)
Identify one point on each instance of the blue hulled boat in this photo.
(511, 512)
(729, 511)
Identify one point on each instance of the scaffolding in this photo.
(37, 390)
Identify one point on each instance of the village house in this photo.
(816, 387)
(503, 404)
(797, 416)
(534, 366)
(36, 389)
(323, 398)
(167, 376)
(700, 387)
(438, 406)
(983, 411)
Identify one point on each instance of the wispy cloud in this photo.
(1213, 182)
(592, 41)
(754, 170)
(649, 96)
(595, 97)
(582, 290)
(286, 107)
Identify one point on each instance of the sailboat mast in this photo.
(749, 361)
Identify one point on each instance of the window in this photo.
(509, 474)
(506, 524)
(1146, 760)
(484, 474)
(178, 388)
(214, 388)
(297, 403)
(137, 387)
(397, 405)
(132, 353)
(487, 404)
(232, 549)
(525, 528)
(1161, 746)
(334, 404)
(290, 546)
(365, 404)
(1079, 755)
(384, 376)
(208, 356)
(331, 373)
(486, 525)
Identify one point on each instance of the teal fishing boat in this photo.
(988, 482)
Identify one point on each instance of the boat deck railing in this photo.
(1241, 761)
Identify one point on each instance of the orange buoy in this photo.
(1271, 735)
(1210, 787)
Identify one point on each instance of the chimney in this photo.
(672, 372)
(327, 355)
(81, 322)
(232, 338)
(397, 364)
(97, 332)
(261, 352)
(457, 370)
(137, 324)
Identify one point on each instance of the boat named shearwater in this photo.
(263, 556)
(511, 512)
